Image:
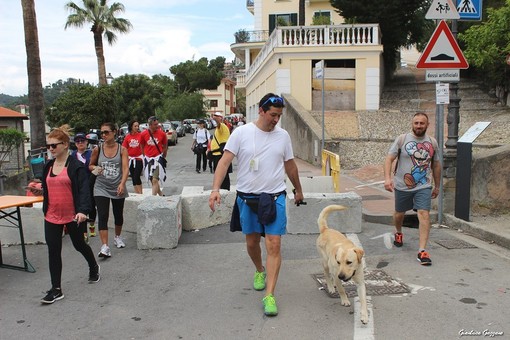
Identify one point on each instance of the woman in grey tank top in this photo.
(110, 162)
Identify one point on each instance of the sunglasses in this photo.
(53, 146)
(105, 132)
(273, 100)
(79, 141)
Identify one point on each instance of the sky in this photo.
(164, 33)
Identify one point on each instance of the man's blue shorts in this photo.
(249, 219)
(418, 199)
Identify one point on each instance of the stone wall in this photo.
(490, 182)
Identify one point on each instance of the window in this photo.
(213, 103)
(321, 18)
(275, 20)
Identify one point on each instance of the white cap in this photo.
(218, 113)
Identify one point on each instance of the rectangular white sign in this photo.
(442, 93)
(442, 75)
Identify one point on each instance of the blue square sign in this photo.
(469, 9)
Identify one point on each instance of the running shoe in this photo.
(399, 240)
(94, 274)
(424, 258)
(119, 242)
(105, 251)
(52, 295)
(259, 280)
(270, 308)
(92, 231)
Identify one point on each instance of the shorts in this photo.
(250, 223)
(418, 200)
(155, 173)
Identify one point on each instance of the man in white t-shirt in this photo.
(264, 156)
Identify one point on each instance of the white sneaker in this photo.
(105, 251)
(119, 242)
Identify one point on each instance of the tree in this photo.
(302, 12)
(104, 21)
(84, 107)
(35, 90)
(10, 139)
(186, 105)
(488, 44)
(191, 76)
(402, 23)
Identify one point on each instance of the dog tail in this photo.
(323, 216)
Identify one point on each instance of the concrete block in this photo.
(159, 222)
(303, 219)
(33, 227)
(130, 212)
(314, 184)
(196, 213)
(191, 190)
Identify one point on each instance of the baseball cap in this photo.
(79, 136)
(218, 114)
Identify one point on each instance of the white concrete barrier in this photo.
(303, 219)
(159, 222)
(196, 213)
(314, 184)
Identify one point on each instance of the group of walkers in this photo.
(76, 184)
(265, 158)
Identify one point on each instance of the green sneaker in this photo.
(259, 280)
(270, 308)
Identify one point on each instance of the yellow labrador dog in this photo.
(341, 260)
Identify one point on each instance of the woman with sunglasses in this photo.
(110, 162)
(66, 203)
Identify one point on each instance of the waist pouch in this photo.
(264, 205)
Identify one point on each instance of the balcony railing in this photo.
(243, 36)
(300, 36)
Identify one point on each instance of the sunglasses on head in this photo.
(53, 146)
(273, 100)
(153, 119)
(105, 132)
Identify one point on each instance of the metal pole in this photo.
(323, 119)
(453, 118)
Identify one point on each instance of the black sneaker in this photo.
(198, 171)
(94, 275)
(399, 240)
(52, 296)
(424, 258)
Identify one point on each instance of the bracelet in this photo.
(215, 190)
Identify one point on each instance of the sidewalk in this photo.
(378, 204)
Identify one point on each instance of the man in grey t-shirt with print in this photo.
(417, 164)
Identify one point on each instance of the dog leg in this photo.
(362, 294)
(329, 281)
(344, 300)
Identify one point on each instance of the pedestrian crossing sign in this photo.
(442, 51)
(469, 9)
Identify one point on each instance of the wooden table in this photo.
(13, 218)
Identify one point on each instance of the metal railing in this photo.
(243, 36)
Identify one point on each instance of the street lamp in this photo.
(109, 78)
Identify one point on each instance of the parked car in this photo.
(171, 134)
(179, 127)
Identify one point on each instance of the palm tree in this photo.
(35, 89)
(301, 12)
(104, 21)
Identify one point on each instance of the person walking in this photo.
(220, 137)
(83, 153)
(155, 146)
(66, 202)
(199, 145)
(417, 164)
(109, 162)
(133, 143)
(264, 155)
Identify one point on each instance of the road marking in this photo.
(387, 239)
(361, 331)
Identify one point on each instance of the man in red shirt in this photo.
(154, 146)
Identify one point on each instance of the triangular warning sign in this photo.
(442, 9)
(442, 51)
(466, 6)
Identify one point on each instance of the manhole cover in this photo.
(454, 244)
(377, 282)
(374, 198)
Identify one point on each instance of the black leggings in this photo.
(226, 181)
(103, 211)
(53, 235)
